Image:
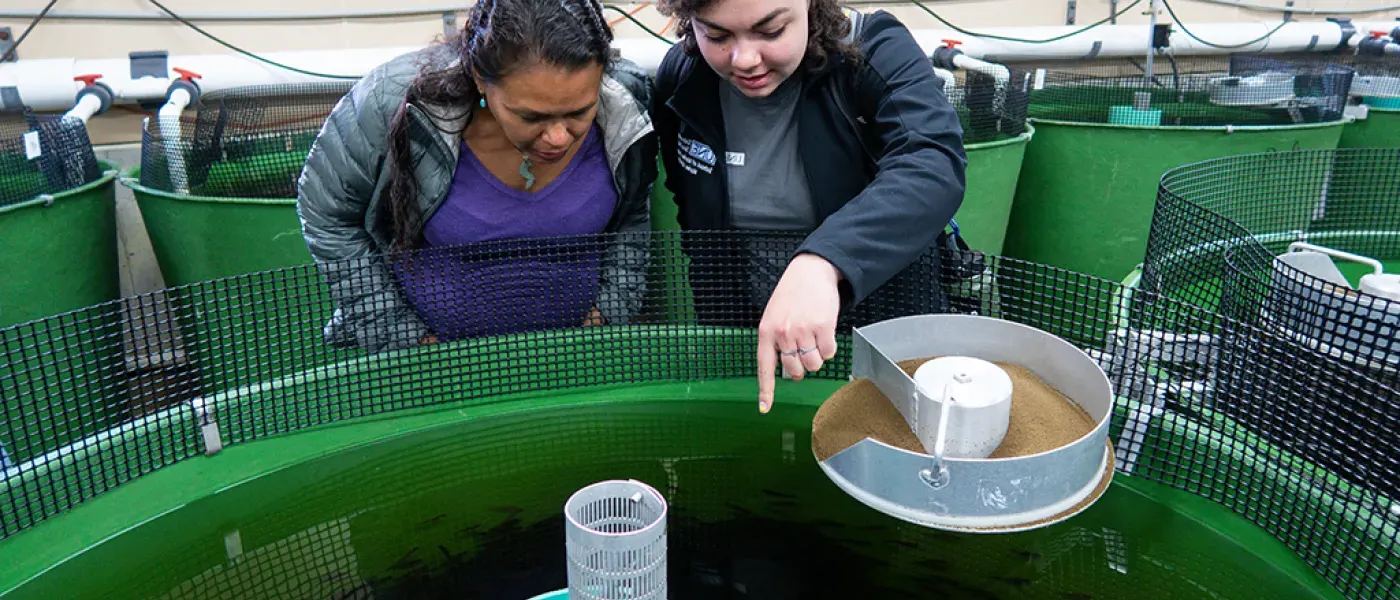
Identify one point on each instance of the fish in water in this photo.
(359, 592)
(407, 561)
(778, 494)
(739, 510)
(1013, 581)
(932, 564)
(1029, 556)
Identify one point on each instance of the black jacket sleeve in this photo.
(920, 168)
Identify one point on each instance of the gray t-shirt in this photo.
(767, 183)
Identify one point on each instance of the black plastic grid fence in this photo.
(1377, 79)
(1239, 89)
(248, 142)
(43, 154)
(1221, 238)
(275, 352)
(989, 108)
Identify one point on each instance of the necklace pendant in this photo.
(525, 166)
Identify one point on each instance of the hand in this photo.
(595, 317)
(428, 338)
(799, 322)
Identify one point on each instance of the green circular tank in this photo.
(62, 251)
(1086, 193)
(441, 470)
(468, 496)
(993, 169)
(58, 313)
(1380, 129)
(201, 238)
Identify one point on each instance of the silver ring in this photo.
(799, 352)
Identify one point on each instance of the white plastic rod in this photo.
(950, 81)
(170, 131)
(87, 106)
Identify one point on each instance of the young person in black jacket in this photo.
(774, 115)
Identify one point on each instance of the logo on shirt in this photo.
(695, 156)
(735, 159)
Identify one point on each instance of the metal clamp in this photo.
(206, 414)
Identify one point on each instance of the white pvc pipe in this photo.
(1001, 74)
(1131, 41)
(87, 106)
(950, 81)
(1304, 11)
(240, 17)
(48, 85)
(1001, 77)
(169, 121)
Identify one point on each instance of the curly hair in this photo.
(827, 25)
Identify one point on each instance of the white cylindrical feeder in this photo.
(979, 394)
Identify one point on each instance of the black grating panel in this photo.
(254, 355)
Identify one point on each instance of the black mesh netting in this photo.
(1240, 89)
(248, 142)
(1224, 236)
(989, 107)
(1377, 78)
(43, 154)
(89, 406)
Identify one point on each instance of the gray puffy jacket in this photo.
(342, 196)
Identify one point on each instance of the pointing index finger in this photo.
(767, 363)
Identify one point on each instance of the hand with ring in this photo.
(799, 323)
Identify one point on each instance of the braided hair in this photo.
(500, 37)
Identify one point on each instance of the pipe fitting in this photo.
(1348, 29)
(943, 56)
(1377, 44)
(94, 88)
(187, 83)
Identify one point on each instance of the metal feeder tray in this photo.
(974, 495)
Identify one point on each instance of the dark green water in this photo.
(472, 510)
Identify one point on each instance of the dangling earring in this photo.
(482, 102)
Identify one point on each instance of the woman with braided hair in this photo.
(520, 127)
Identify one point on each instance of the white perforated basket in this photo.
(615, 535)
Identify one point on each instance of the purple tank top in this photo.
(516, 283)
